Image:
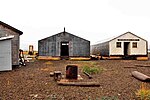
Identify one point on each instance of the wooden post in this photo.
(57, 75)
(89, 76)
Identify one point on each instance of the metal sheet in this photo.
(5, 55)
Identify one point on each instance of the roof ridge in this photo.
(10, 27)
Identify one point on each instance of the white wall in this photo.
(140, 50)
(113, 49)
(5, 55)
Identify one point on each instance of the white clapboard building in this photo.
(127, 45)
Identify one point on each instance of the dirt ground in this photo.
(33, 82)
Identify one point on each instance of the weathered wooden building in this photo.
(127, 45)
(7, 31)
(64, 44)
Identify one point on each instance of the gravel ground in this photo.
(33, 82)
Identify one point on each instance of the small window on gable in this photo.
(134, 45)
(118, 44)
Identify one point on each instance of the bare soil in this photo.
(33, 82)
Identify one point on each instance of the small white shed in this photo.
(5, 53)
(125, 45)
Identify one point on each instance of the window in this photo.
(118, 44)
(134, 45)
(65, 43)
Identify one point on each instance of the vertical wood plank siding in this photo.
(51, 46)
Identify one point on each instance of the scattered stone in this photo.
(51, 74)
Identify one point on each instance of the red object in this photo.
(71, 71)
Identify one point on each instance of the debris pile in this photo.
(72, 77)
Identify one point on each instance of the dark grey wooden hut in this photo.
(64, 44)
(7, 30)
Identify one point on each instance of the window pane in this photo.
(134, 45)
(118, 44)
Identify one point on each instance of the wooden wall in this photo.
(4, 31)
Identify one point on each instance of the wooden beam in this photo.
(130, 67)
(84, 84)
(87, 74)
(142, 65)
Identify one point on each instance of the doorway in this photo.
(126, 48)
(64, 48)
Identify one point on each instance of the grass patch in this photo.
(143, 93)
(92, 70)
(93, 64)
(92, 67)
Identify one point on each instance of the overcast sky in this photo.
(94, 20)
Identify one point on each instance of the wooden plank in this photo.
(79, 58)
(87, 74)
(142, 58)
(84, 84)
(142, 65)
(48, 58)
(130, 67)
(140, 76)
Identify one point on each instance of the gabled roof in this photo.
(73, 35)
(127, 33)
(64, 32)
(10, 27)
(113, 38)
(6, 38)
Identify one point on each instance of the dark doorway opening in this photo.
(65, 49)
(126, 48)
